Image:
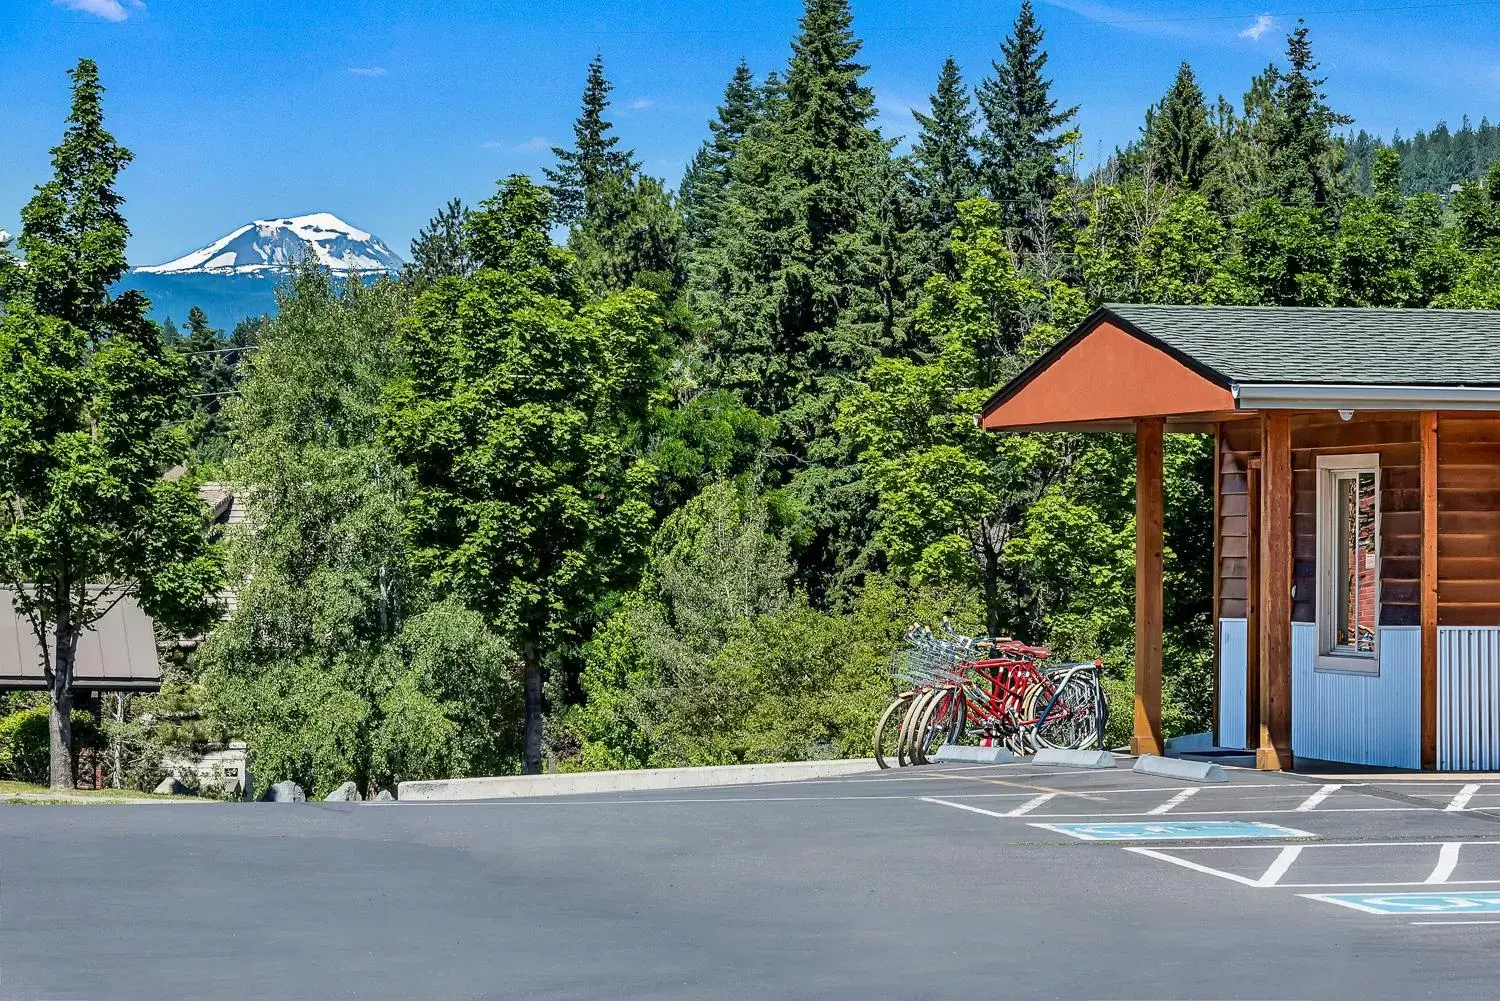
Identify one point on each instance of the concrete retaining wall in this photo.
(572, 783)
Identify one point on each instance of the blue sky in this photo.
(381, 110)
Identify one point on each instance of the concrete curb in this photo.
(574, 783)
(1179, 768)
(1067, 758)
(957, 754)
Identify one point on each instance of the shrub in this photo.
(24, 742)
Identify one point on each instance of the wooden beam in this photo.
(1252, 611)
(1274, 752)
(1428, 434)
(1218, 488)
(1149, 505)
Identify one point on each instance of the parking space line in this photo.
(1462, 797)
(1279, 865)
(1166, 807)
(1184, 863)
(1311, 802)
(1453, 922)
(1447, 862)
(1031, 804)
(1241, 812)
(963, 806)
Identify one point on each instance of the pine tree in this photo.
(581, 170)
(943, 161)
(1303, 157)
(1022, 140)
(1179, 138)
(440, 249)
(706, 183)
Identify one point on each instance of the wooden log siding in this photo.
(1468, 478)
(1394, 437)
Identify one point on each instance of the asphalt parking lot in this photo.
(1009, 881)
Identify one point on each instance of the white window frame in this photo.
(1329, 468)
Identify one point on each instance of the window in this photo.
(1348, 604)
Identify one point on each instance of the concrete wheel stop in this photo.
(1179, 768)
(1068, 758)
(959, 754)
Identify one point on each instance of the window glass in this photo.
(1354, 513)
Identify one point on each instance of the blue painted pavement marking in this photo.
(1186, 830)
(1457, 902)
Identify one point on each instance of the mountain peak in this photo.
(277, 244)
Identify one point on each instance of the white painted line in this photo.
(1334, 844)
(1453, 922)
(1351, 904)
(1279, 865)
(1311, 802)
(1207, 870)
(1447, 862)
(1381, 886)
(1248, 811)
(1166, 807)
(1461, 798)
(1028, 806)
(963, 806)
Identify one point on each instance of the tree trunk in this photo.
(531, 756)
(60, 730)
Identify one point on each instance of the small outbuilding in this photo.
(1356, 516)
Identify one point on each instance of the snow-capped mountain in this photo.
(277, 244)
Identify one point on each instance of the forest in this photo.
(620, 475)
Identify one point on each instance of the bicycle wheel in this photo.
(935, 724)
(909, 723)
(888, 730)
(1066, 716)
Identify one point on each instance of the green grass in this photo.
(28, 793)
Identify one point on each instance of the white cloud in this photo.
(533, 145)
(110, 10)
(368, 70)
(1258, 27)
(641, 104)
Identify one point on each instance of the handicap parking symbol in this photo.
(1476, 902)
(1186, 830)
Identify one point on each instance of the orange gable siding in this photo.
(1109, 375)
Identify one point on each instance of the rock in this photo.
(346, 793)
(385, 797)
(284, 792)
(172, 786)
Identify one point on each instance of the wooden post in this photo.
(1213, 618)
(1252, 607)
(1146, 738)
(1275, 613)
(1428, 432)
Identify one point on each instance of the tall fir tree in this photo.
(1022, 139)
(584, 168)
(706, 183)
(944, 166)
(440, 249)
(1178, 135)
(1304, 158)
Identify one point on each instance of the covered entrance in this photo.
(1356, 516)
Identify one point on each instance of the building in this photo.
(1356, 507)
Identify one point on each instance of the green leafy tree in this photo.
(516, 423)
(91, 404)
(1286, 255)
(1023, 138)
(335, 664)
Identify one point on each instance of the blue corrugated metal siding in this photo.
(1232, 682)
(1355, 718)
(1468, 698)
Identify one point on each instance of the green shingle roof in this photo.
(1311, 344)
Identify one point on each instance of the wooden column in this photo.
(1218, 557)
(1146, 738)
(1252, 607)
(1275, 613)
(1428, 433)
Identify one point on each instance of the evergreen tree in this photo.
(1303, 156)
(632, 229)
(706, 184)
(584, 168)
(441, 249)
(1179, 138)
(91, 399)
(1022, 138)
(943, 161)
